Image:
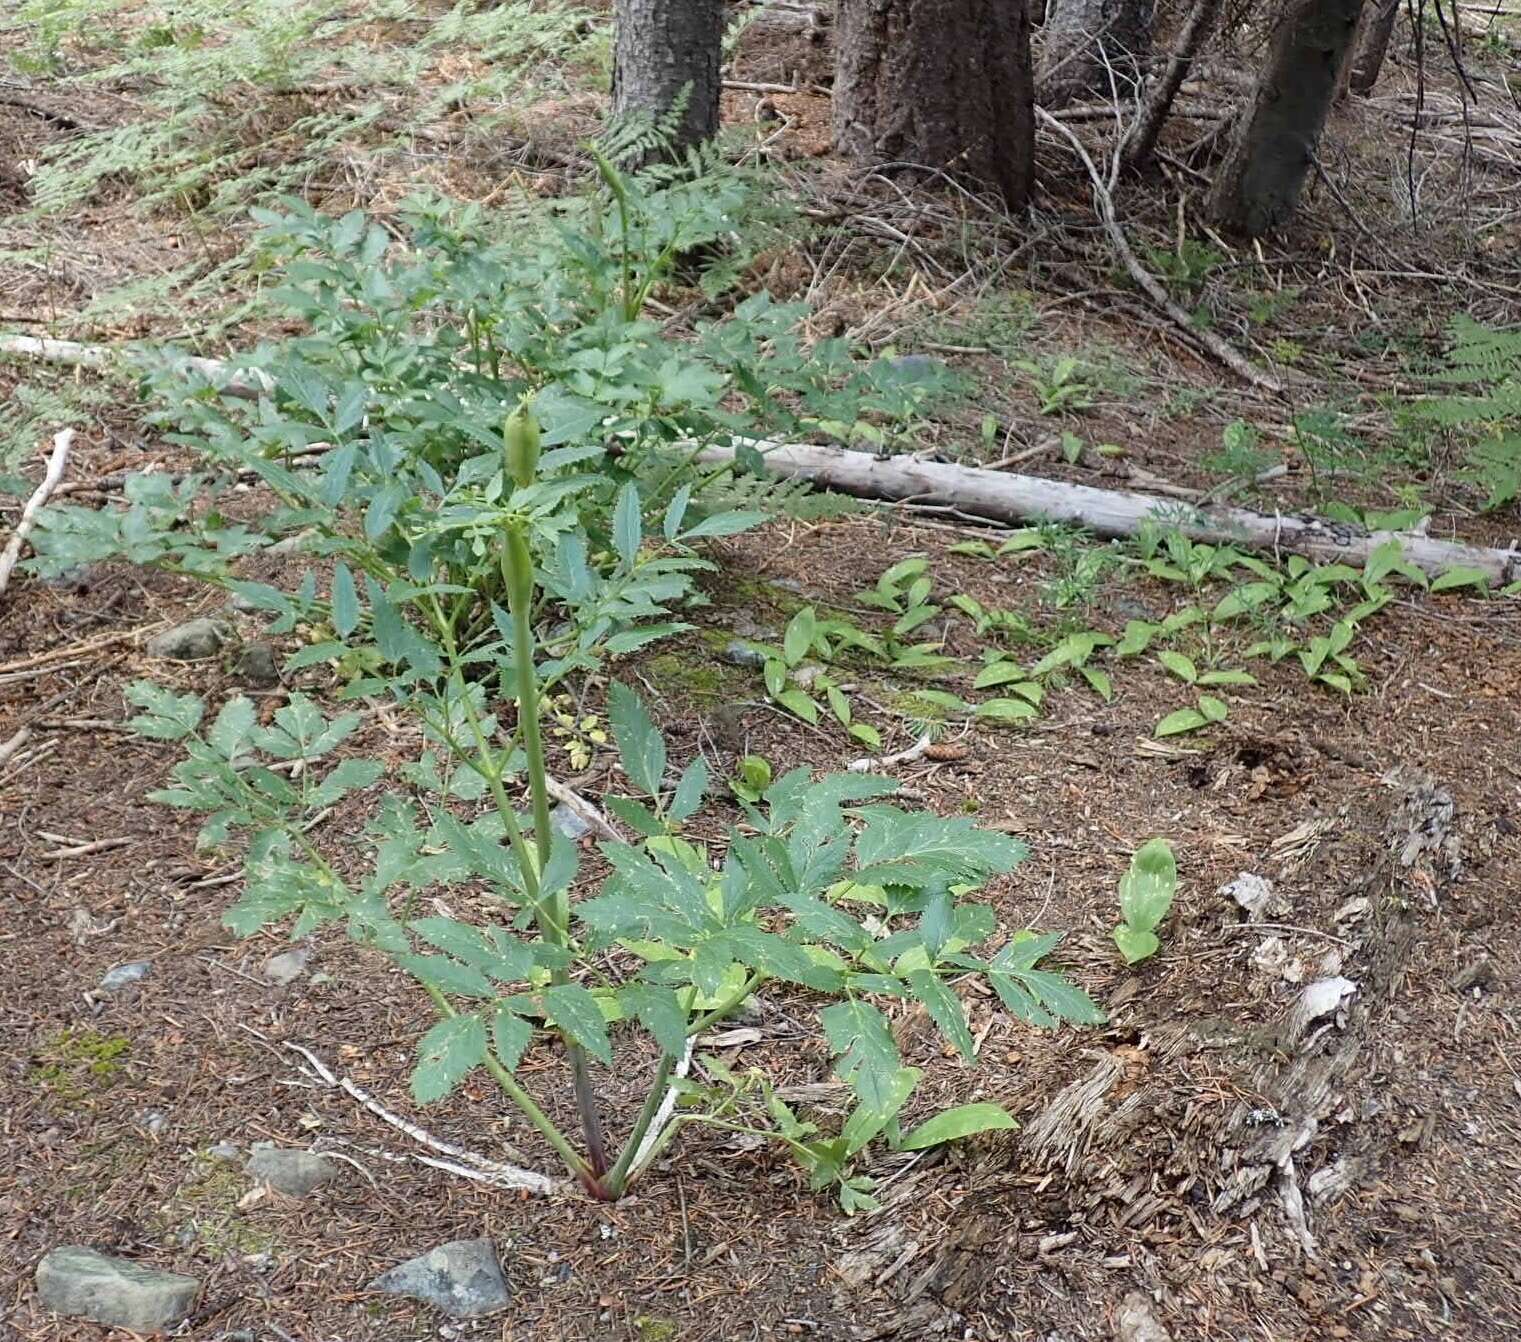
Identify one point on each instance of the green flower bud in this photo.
(520, 442)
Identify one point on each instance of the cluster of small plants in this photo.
(1294, 609)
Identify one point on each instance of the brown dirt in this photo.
(1406, 1100)
(1001, 1240)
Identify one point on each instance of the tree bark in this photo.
(1273, 150)
(1142, 140)
(1090, 43)
(664, 47)
(942, 83)
(1371, 44)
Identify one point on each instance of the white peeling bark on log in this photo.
(1025, 498)
(105, 356)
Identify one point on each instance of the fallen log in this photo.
(1015, 499)
(995, 495)
(75, 355)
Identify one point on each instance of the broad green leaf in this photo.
(778, 958)
(659, 1011)
(1138, 636)
(168, 716)
(795, 701)
(1135, 945)
(1227, 678)
(1102, 685)
(690, 789)
(963, 1121)
(445, 1054)
(1061, 996)
(345, 601)
(1006, 710)
(866, 1058)
(1214, 710)
(640, 744)
(230, 732)
(675, 510)
(1182, 720)
(998, 673)
(575, 1011)
(867, 734)
(502, 958)
(510, 1036)
(1461, 576)
(798, 638)
(1180, 666)
(945, 1009)
(867, 1120)
(448, 976)
(1146, 890)
(724, 524)
(627, 526)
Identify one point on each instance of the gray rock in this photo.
(79, 1282)
(225, 1150)
(153, 1121)
(571, 825)
(190, 642)
(1137, 1322)
(291, 1171)
(116, 979)
(258, 666)
(287, 967)
(917, 366)
(737, 653)
(463, 1278)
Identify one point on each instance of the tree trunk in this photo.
(1142, 139)
(1274, 146)
(1090, 42)
(1371, 44)
(667, 50)
(943, 83)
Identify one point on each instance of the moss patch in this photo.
(206, 1210)
(696, 674)
(75, 1062)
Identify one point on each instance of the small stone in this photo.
(463, 1278)
(114, 980)
(238, 604)
(286, 968)
(738, 653)
(257, 666)
(153, 1121)
(568, 823)
(81, 1283)
(917, 366)
(1137, 1323)
(225, 1150)
(290, 1171)
(193, 641)
(1251, 892)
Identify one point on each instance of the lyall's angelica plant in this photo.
(829, 890)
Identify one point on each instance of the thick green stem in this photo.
(524, 1101)
(617, 1177)
(517, 571)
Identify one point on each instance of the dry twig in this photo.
(1220, 349)
(499, 1172)
(62, 442)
